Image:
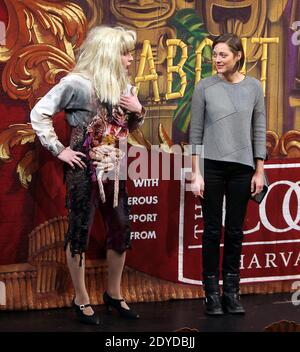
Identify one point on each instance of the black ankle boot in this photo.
(212, 301)
(231, 299)
(231, 303)
(116, 304)
(213, 304)
(83, 318)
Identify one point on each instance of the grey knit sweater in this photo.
(229, 120)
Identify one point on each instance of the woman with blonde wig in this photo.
(101, 107)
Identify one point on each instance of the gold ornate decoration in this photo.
(27, 166)
(246, 18)
(184, 4)
(32, 66)
(294, 101)
(273, 146)
(20, 134)
(20, 77)
(290, 144)
(14, 135)
(40, 43)
(275, 9)
(29, 18)
(143, 14)
(95, 13)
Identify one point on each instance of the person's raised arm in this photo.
(131, 103)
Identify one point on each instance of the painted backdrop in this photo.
(38, 43)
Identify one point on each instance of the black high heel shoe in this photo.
(116, 303)
(83, 318)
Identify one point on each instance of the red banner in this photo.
(167, 226)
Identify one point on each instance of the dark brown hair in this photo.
(235, 45)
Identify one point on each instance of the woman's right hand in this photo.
(72, 157)
(197, 184)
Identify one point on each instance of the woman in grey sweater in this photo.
(102, 108)
(228, 120)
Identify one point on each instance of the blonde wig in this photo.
(100, 59)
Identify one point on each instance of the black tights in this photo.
(234, 181)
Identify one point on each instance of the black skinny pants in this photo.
(234, 181)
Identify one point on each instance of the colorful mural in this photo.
(38, 44)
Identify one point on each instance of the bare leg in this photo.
(78, 278)
(115, 263)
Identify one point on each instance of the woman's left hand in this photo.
(131, 103)
(257, 183)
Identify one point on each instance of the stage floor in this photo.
(261, 311)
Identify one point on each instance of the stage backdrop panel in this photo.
(38, 44)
